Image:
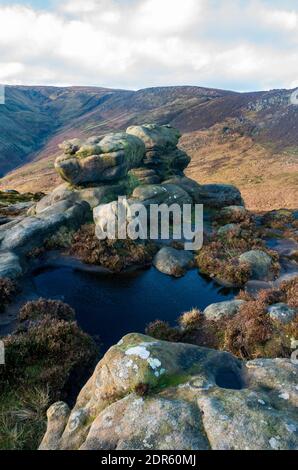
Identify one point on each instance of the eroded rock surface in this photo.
(162, 153)
(102, 159)
(150, 394)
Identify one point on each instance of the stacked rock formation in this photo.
(146, 160)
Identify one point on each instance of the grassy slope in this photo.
(249, 139)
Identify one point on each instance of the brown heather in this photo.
(250, 334)
(8, 289)
(115, 255)
(37, 309)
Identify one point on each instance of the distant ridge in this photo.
(248, 139)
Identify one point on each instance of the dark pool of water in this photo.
(227, 378)
(112, 305)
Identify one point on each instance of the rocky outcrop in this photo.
(143, 163)
(100, 159)
(150, 394)
(173, 262)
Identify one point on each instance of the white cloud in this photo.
(287, 20)
(167, 16)
(8, 69)
(139, 43)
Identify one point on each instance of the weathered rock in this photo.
(135, 361)
(287, 248)
(161, 194)
(233, 214)
(154, 136)
(5, 220)
(260, 264)
(93, 195)
(109, 159)
(108, 223)
(173, 262)
(223, 309)
(31, 232)
(144, 176)
(162, 153)
(229, 229)
(199, 399)
(57, 416)
(246, 420)
(18, 208)
(165, 425)
(282, 312)
(190, 186)
(9, 265)
(219, 195)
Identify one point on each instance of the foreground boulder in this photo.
(150, 394)
(100, 159)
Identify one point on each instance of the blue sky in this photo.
(232, 44)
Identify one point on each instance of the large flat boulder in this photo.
(31, 232)
(101, 159)
(150, 394)
(94, 195)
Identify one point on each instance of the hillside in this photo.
(248, 139)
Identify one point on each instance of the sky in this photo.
(241, 45)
